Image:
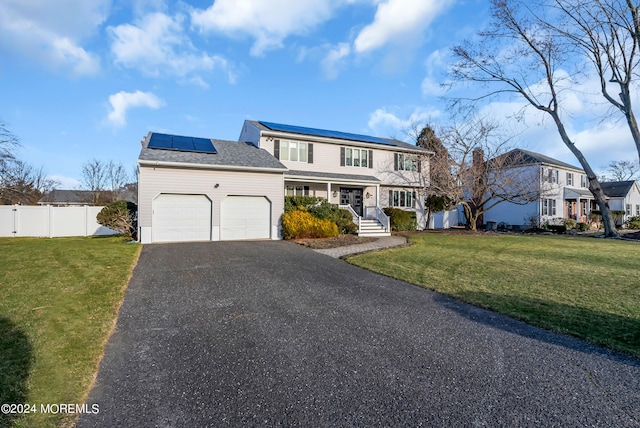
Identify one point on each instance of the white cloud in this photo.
(398, 21)
(65, 182)
(157, 45)
(332, 62)
(52, 32)
(268, 22)
(123, 101)
(393, 122)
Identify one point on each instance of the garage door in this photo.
(245, 217)
(180, 218)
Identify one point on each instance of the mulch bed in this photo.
(338, 241)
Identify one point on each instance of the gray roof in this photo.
(67, 197)
(229, 153)
(526, 157)
(346, 177)
(617, 189)
(393, 143)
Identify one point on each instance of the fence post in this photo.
(15, 220)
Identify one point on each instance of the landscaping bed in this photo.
(334, 242)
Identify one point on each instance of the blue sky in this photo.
(84, 79)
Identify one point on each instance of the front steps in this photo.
(372, 228)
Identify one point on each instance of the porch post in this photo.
(329, 191)
(377, 195)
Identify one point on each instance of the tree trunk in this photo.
(594, 184)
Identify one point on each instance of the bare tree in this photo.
(518, 56)
(95, 179)
(607, 32)
(481, 172)
(20, 183)
(623, 171)
(116, 177)
(8, 142)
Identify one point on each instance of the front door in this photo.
(353, 197)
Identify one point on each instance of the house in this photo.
(623, 196)
(564, 194)
(204, 189)
(62, 198)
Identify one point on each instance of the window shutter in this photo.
(370, 158)
(419, 161)
(341, 156)
(276, 149)
(395, 161)
(413, 200)
(390, 198)
(310, 153)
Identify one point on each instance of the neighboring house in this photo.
(623, 196)
(64, 198)
(564, 194)
(201, 189)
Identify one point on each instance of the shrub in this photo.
(119, 216)
(570, 223)
(582, 227)
(634, 222)
(302, 224)
(401, 219)
(292, 203)
(557, 228)
(342, 218)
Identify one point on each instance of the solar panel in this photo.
(180, 143)
(325, 133)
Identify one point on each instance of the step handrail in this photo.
(356, 218)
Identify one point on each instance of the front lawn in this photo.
(585, 287)
(59, 301)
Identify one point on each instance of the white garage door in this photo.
(245, 217)
(179, 218)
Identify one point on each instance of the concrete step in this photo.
(372, 228)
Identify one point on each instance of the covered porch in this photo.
(359, 194)
(578, 204)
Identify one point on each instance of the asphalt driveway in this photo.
(270, 333)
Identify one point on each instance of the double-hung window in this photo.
(402, 198)
(406, 162)
(583, 181)
(352, 156)
(294, 151)
(569, 179)
(549, 207)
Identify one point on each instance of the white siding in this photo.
(156, 180)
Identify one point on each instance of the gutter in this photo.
(144, 162)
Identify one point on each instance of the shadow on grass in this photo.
(617, 333)
(15, 362)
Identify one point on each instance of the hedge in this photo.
(401, 219)
(302, 224)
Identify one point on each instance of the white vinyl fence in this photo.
(51, 222)
(444, 219)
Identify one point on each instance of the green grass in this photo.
(585, 287)
(58, 301)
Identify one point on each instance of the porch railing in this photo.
(356, 218)
(377, 213)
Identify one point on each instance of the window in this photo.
(351, 156)
(406, 162)
(637, 209)
(297, 190)
(585, 208)
(549, 207)
(402, 198)
(296, 151)
(550, 175)
(583, 181)
(628, 209)
(569, 179)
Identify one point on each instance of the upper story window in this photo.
(550, 175)
(583, 181)
(406, 162)
(569, 179)
(295, 151)
(351, 156)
